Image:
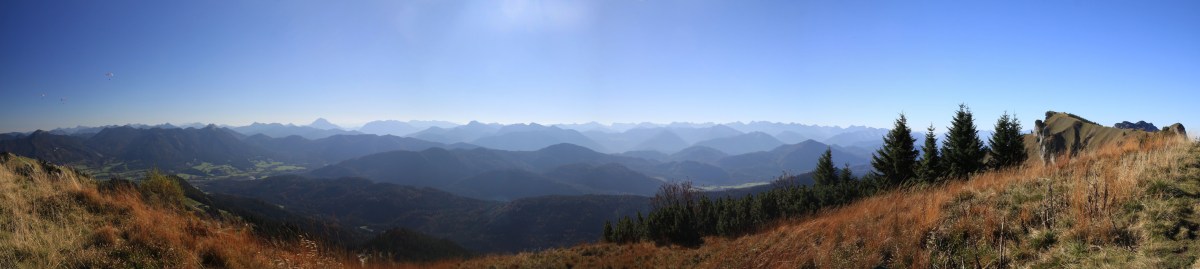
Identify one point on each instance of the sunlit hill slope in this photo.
(57, 217)
(1103, 198)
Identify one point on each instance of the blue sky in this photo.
(817, 62)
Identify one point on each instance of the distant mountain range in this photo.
(478, 160)
(133, 148)
(668, 139)
(502, 155)
(743, 143)
(534, 137)
(470, 132)
(322, 123)
(282, 130)
(700, 154)
(339, 147)
(203, 152)
(402, 128)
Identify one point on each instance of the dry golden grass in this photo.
(1083, 212)
(53, 218)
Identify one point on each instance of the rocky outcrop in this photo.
(1175, 129)
(1067, 135)
(1052, 142)
(1140, 126)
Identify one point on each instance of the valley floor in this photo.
(1127, 205)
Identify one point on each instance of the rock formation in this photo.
(1140, 125)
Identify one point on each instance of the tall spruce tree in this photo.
(894, 163)
(608, 232)
(825, 173)
(1008, 147)
(930, 167)
(845, 175)
(962, 152)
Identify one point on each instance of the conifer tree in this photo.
(930, 167)
(894, 163)
(624, 230)
(846, 178)
(1008, 147)
(608, 232)
(962, 152)
(824, 174)
(845, 175)
(641, 232)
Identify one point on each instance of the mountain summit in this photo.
(322, 123)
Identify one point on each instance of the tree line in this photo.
(681, 214)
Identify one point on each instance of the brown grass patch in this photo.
(52, 217)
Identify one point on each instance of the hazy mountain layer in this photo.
(132, 148)
(282, 130)
(523, 224)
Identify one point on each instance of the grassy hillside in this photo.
(1118, 202)
(53, 217)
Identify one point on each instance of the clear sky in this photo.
(818, 62)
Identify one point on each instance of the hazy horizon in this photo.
(813, 62)
(355, 127)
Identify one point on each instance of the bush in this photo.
(1043, 240)
(1162, 188)
(160, 189)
